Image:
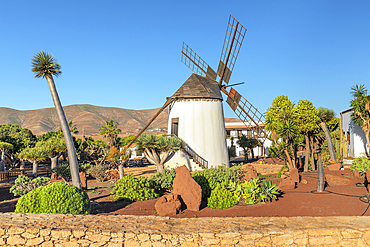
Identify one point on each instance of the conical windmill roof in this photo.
(198, 87)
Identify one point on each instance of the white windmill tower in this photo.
(195, 110)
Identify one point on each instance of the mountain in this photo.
(87, 118)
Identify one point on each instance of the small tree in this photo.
(158, 149)
(360, 104)
(307, 121)
(281, 122)
(243, 143)
(55, 147)
(4, 147)
(34, 155)
(118, 157)
(110, 132)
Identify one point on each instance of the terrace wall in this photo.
(117, 230)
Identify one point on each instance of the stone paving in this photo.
(118, 230)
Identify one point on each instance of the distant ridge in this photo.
(87, 118)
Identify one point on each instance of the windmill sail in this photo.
(234, 37)
(196, 63)
(247, 113)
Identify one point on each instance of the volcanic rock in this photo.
(113, 174)
(356, 173)
(333, 180)
(251, 172)
(334, 167)
(83, 180)
(53, 177)
(189, 190)
(286, 183)
(294, 176)
(168, 205)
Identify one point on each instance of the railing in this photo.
(11, 175)
(196, 157)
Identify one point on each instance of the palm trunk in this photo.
(313, 149)
(2, 166)
(294, 156)
(160, 168)
(306, 157)
(120, 170)
(329, 141)
(72, 158)
(35, 168)
(54, 161)
(289, 159)
(321, 180)
(245, 154)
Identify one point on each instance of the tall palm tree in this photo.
(110, 132)
(44, 65)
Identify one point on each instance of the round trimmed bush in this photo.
(222, 198)
(133, 189)
(55, 198)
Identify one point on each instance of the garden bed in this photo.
(301, 201)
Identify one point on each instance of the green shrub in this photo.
(222, 198)
(204, 184)
(23, 184)
(55, 198)
(221, 174)
(281, 171)
(163, 182)
(361, 165)
(132, 189)
(99, 172)
(63, 171)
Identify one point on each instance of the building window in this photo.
(240, 132)
(228, 133)
(175, 126)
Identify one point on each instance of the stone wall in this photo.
(128, 231)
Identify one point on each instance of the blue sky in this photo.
(127, 54)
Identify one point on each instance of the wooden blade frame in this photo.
(234, 37)
(196, 63)
(168, 102)
(246, 112)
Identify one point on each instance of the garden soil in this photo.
(301, 201)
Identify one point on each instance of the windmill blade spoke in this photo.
(247, 113)
(196, 63)
(234, 37)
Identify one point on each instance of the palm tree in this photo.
(110, 132)
(44, 65)
(326, 115)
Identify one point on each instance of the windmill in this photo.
(195, 110)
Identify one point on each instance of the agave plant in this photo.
(270, 190)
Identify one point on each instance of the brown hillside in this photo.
(87, 118)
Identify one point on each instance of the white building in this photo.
(235, 128)
(355, 140)
(197, 117)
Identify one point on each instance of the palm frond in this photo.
(44, 63)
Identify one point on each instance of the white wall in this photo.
(358, 146)
(202, 127)
(257, 150)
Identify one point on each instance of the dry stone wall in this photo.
(129, 231)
